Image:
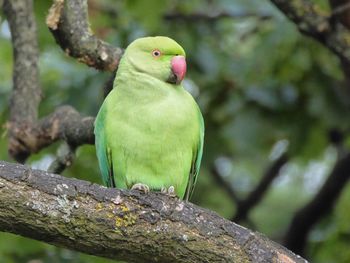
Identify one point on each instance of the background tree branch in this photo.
(332, 31)
(321, 205)
(27, 134)
(126, 225)
(341, 14)
(68, 22)
(244, 206)
(23, 111)
(213, 16)
(312, 21)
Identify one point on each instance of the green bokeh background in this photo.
(264, 89)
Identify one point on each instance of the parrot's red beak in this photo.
(178, 68)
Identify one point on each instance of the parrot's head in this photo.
(160, 57)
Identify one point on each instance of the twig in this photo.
(214, 16)
(108, 85)
(65, 156)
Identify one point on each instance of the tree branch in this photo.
(224, 184)
(64, 123)
(313, 22)
(214, 16)
(318, 207)
(125, 225)
(332, 31)
(64, 158)
(22, 23)
(244, 206)
(27, 134)
(23, 111)
(341, 11)
(68, 22)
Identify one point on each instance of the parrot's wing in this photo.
(196, 160)
(102, 150)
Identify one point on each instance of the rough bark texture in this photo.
(27, 134)
(26, 94)
(68, 22)
(26, 55)
(126, 225)
(108, 222)
(64, 123)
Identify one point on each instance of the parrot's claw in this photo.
(141, 187)
(170, 191)
(163, 190)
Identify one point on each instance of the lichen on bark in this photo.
(124, 225)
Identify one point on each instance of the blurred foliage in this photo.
(263, 89)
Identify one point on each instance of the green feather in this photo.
(149, 131)
(102, 151)
(196, 161)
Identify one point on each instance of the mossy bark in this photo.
(124, 225)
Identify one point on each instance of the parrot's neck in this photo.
(142, 85)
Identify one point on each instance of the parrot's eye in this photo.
(156, 53)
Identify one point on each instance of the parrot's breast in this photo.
(152, 140)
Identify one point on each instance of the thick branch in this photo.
(313, 22)
(318, 207)
(27, 134)
(125, 225)
(26, 95)
(64, 123)
(68, 22)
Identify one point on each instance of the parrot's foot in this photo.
(170, 191)
(141, 187)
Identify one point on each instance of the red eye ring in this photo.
(156, 53)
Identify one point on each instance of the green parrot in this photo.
(149, 130)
